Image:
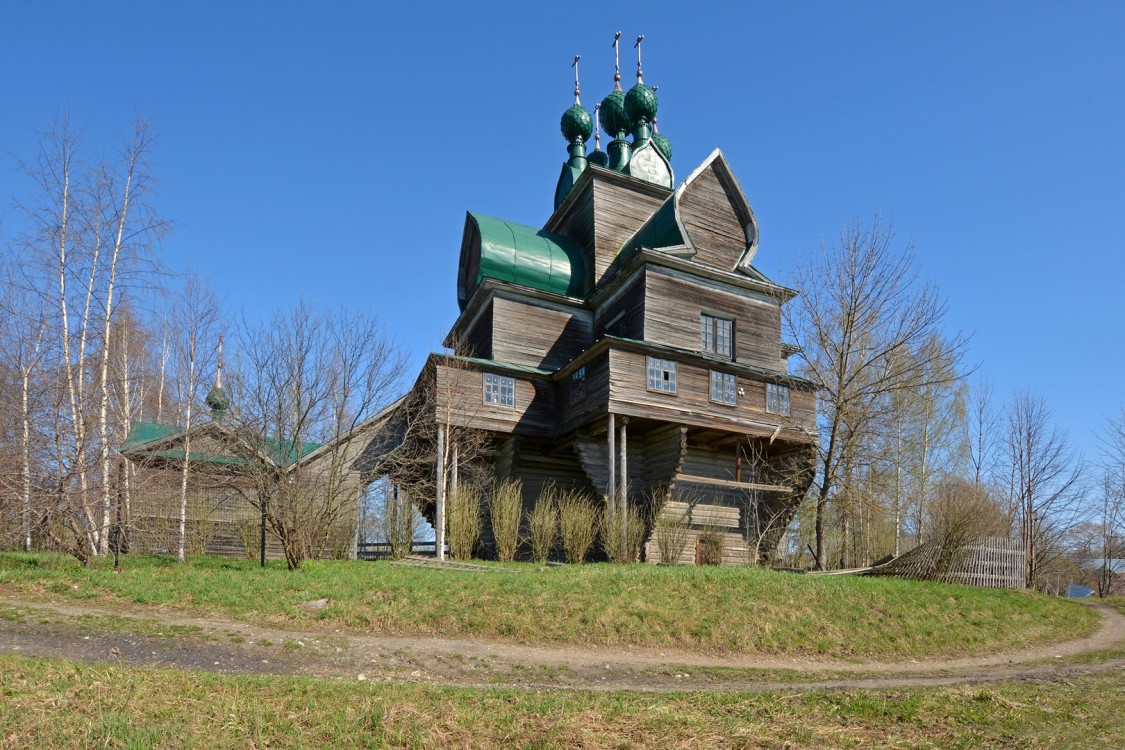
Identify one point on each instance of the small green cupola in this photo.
(614, 120)
(648, 162)
(217, 399)
(598, 157)
(621, 115)
(576, 126)
(663, 145)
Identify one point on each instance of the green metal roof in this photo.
(144, 433)
(661, 230)
(521, 255)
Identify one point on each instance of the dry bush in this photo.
(463, 520)
(578, 524)
(712, 541)
(622, 535)
(671, 525)
(505, 509)
(399, 524)
(543, 524)
(960, 512)
(248, 531)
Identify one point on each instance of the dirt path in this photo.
(217, 645)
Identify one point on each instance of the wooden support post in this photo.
(624, 489)
(439, 509)
(611, 492)
(454, 478)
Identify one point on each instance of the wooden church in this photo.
(629, 345)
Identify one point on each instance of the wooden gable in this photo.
(714, 213)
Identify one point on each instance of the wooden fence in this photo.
(382, 550)
(987, 561)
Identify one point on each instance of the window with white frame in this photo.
(717, 335)
(499, 389)
(723, 387)
(578, 385)
(777, 398)
(661, 375)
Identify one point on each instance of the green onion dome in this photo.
(599, 157)
(614, 119)
(577, 124)
(217, 399)
(663, 145)
(640, 104)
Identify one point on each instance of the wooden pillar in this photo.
(611, 493)
(623, 484)
(439, 509)
(454, 479)
(623, 488)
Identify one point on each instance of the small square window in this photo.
(717, 335)
(499, 389)
(661, 375)
(777, 398)
(723, 387)
(578, 385)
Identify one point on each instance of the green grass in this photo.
(60, 704)
(1117, 602)
(709, 610)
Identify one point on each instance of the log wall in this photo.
(537, 334)
(673, 307)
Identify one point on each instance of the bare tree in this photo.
(88, 228)
(306, 401)
(129, 225)
(1111, 525)
(985, 433)
(867, 329)
(196, 320)
(440, 445)
(22, 348)
(1045, 493)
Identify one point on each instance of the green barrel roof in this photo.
(519, 254)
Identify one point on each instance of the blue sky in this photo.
(332, 149)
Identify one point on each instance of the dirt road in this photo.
(216, 645)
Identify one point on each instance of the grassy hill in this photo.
(48, 703)
(706, 610)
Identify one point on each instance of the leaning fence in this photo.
(987, 561)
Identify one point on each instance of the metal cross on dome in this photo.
(637, 45)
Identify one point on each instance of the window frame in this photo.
(728, 385)
(777, 399)
(499, 390)
(709, 339)
(578, 386)
(666, 368)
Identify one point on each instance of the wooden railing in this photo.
(382, 550)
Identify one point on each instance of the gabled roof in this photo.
(666, 231)
(152, 440)
(143, 433)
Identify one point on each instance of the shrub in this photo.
(672, 523)
(623, 534)
(712, 541)
(505, 509)
(578, 524)
(543, 524)
(463, 520)
(398, 520)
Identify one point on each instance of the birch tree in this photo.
(867, 328)
(87, 230)
(196, 330)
